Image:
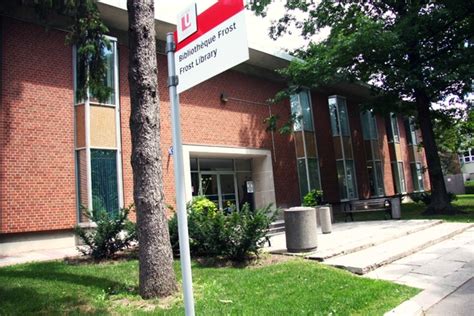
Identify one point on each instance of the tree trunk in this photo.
(157, 276)
(440, 203)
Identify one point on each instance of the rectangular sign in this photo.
(187, 23)
(220, 47)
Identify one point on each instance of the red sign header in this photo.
(213, 16)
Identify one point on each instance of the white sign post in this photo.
(214, 43)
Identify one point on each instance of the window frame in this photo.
(301, 110)
(118, 149)
(394, 126)
(339, 133)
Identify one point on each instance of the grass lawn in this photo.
(294, 287)
(464, 202)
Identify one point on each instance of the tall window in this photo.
(98, 160)
(342, 147)
(411, 131)
(392, 128)
(372, 150)
(414, 156)
(305, 143)
(417, 176)
(399, 177)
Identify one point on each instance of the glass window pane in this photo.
(193, 164)
(313, 173)
(306, 111)
(303, 180)
(296, 111)
(109, 79)
(343, 117)
(80, 79)
(380, 190)
(207, 164)
(419, 174)
(364, 118)
(334, 116)
(395, 131)
(195, 183)
(373, 126)
(243, 164)
(104, 180)
(341, 177)
(351, 180)
(209, 187)
(372, 179)
(402, 177)
(244, 195)
(227, 184)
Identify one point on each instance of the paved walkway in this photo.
(444, 271)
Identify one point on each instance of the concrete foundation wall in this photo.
(16, 243)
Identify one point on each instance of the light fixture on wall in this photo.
(224, 98)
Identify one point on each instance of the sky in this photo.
(257, 27)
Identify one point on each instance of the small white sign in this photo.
(187, 22)
(219, 49)
(250, 187)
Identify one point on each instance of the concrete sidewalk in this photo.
(445, 273)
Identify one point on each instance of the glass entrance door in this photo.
(210, 187)
(219, 187)
(228, 194)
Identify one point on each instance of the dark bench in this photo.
(370, 205)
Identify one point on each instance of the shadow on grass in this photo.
(45, 289)
(17, 300)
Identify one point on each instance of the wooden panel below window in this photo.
(103, 133)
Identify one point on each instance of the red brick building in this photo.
(58, 152)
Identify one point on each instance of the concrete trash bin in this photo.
(325, 219)
(396, 210)
(300, 229)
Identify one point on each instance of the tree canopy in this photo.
(412, 53)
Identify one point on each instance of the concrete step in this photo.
(360, 236)
(368, 259)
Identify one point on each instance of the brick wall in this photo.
(37, 187)
(205, 120)
(37, 176)
(327, 163)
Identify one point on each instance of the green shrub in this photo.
(313, 198)
(425, 197)
(469, 185)
(114, 232)
(232, 234)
